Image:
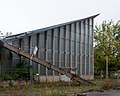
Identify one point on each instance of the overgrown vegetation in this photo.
(21, 72)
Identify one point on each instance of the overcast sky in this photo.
(19, 16)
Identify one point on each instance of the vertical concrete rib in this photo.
(70, 46)
(85, 45)
(38, 53)
(65, 30)
(59, 48)
(75, 46)
(93, 47)
(80, 49)
(46, 51)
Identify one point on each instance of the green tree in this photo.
(22, 70)
(106, 47)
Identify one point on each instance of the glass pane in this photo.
(62, 35)
(26, 43)
(87, 39)
(86, 26)
(73, 47)
(83, 48)
(50, 72)
(50, 55)
(78, 69)
(83, 59)
(68, 60)
(62, 44)
(56, 56)
(91, 50)
(56, 41)
(87, 68)
(83, 69)
(91, 31)
(42, 41)
(83, 38)
(78, 27)
(73, 60)
(49, 32)
(42, 54)
(56, 31)
(78, 37)
(82, 27)
(91, 69)
(73, 36)
(91, 41)
(87, 49)
(42, 70)
(67, 32)
(78, 48)
(78, 58)
(68, 45)
(49, 42)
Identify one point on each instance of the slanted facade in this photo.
(68, 46)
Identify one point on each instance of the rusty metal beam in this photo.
(46, 64)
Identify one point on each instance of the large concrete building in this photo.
(68, 45)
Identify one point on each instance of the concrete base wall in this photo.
(58, 78)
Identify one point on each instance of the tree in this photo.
(22, 70)
(106, 45)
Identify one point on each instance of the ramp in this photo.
(46, 64)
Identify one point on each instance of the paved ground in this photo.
(105, 93)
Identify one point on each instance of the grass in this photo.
(49, 89)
